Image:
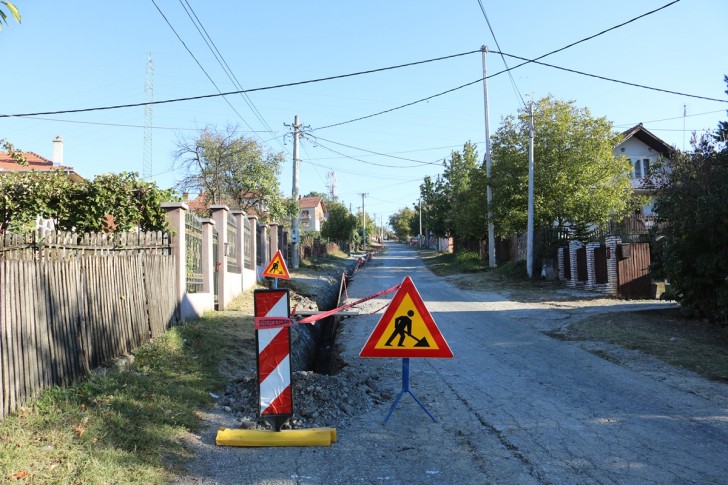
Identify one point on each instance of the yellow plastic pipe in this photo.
(287, 437)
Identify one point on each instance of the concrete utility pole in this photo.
(529, 235)
(363, 222)
(489, 197)
(420, 236)
(294, 223)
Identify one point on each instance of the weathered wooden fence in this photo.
(69, 303)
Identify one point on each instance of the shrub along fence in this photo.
(71, 302)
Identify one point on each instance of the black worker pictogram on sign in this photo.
(406, 329)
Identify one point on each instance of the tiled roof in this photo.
(310, 202)
(36, 163)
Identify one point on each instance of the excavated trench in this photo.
(313, 345)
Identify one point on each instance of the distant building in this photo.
(38, 163)
(313, 213)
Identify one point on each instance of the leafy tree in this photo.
(692, 235)
(13, 11)
(454, 205)
(117, 202)
(233, 170)
(577, 180)
(370, 224)
(24, 196)
(112, 202)
(401, 223)
(340, 225)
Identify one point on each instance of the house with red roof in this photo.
(313, 213)
(38, 163)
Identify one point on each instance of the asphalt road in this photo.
(511, 406)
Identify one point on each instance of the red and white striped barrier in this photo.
(274, 355)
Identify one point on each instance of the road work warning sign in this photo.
(277, 268)
(406, 329)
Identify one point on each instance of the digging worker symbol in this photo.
(274, 268)
(402, 329)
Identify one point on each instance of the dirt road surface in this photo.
(512, 406)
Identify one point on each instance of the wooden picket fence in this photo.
(70, 303)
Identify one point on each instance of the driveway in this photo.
(512, 406)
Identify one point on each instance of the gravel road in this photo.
(512, 406)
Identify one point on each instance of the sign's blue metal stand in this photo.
(405, 388)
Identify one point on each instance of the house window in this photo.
(640, 168)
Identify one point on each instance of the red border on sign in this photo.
(406, 288)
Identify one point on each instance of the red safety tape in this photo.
(319, 316)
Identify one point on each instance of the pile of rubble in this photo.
(318, 400)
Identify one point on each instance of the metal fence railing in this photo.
(193, 242)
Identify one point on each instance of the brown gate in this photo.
(582, 272)
(633, 270)
(600, 265)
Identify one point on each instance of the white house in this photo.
(643, 149)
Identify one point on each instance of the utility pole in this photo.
(147, 172)
(363, 222)
(529, 235)
(420, 236)
(489, 196)
(294, 223)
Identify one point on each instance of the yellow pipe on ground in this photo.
(287, 437)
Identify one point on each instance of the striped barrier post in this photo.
(273, 342)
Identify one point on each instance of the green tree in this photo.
(454, 204)
(117, 202)
(577, 180)
(91, 206)
(692, 235)
(25, 196)
(401, 223)
(231, 169)
(10, 8)
(340, 225)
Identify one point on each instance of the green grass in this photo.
(692, 344)
(445, 264)
(120, 426)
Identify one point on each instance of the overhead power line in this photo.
(252, 90)
(513, 81)
(198, 64)
(378, 153)
(221, 61)
(508, 69)
(604, 78)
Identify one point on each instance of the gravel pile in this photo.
(318, 400)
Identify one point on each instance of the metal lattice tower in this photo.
(148, 118)
(331, 184)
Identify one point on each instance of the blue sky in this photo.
(88, 54)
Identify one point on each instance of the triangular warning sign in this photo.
(277, 267)
(406, 329)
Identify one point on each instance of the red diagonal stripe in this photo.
(283, 404)
(271, 356)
